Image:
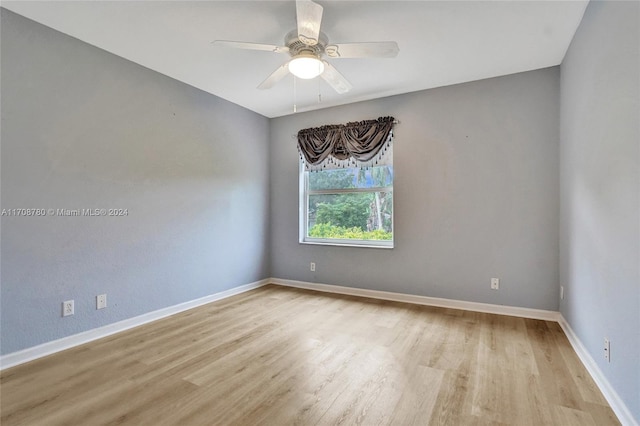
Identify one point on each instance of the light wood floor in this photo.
(280, 356)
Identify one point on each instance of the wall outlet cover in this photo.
(101, 301)
(67, 308)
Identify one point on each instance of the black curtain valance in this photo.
(360, 143)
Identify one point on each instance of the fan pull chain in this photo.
(295, 107)
(319, 94)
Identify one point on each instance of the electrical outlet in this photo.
(495, 283)
(101, 301)
(561, 292)
(67, 308)
(312, 266)
(607, 350)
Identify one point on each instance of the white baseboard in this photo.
(424, 300)
(58, 345)
(612, 397)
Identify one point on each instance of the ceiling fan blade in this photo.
(335, 79)
(309, 17)
(251, 46)
(275, 76)
(374, 49)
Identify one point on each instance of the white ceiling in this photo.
(441, 42)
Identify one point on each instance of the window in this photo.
(348, 206)
(346, 183)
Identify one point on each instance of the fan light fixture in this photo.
(306, 67)
(306, 46)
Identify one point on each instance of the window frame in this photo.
(303, 214)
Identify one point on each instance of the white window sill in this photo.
(347, 243)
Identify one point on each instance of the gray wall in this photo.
(476, 195)
(600, 190)
(82, 128)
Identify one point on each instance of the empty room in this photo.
(320, 212)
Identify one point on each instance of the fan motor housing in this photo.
(296, 47)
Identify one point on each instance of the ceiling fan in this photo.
(307, 46)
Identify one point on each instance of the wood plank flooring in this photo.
(282, 356)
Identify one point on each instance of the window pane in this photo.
(371, 177)
(354, 216)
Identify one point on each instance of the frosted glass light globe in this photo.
(306, 67)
